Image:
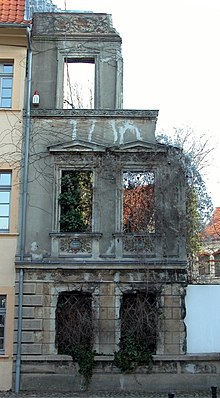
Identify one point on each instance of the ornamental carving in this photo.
(69, 245)
(83, 23)
(79, 160)
(138, 245)
(74, 23)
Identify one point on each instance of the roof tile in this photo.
(212, 229)
(12, 11)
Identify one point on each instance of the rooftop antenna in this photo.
(65, 5)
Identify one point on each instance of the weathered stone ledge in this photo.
(172, 358)
(170, 264)
(107, 113)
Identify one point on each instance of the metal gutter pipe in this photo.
(13, 25)
(23, 210)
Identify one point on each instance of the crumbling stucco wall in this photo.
(105, 262)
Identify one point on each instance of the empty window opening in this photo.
(217, 263)
(6, 81)
(76, 201)
(79, 83)
(73, 321)
(5, 199)
(2, 323)
(139, 319)
(138, 202)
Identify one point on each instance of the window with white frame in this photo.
(2, 323)
(6, 81)
(5, 200)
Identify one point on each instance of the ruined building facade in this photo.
(104, 238)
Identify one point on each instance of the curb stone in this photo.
(124, 394)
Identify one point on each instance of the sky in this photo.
(171, 52)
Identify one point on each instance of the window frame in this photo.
(6, 189)
(7, 76)
(136, 169)
(62, 55)
(3, 311)
(58, 172)
(80, 60)
(71, 298)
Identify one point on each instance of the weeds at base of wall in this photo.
(85, 358)
(131, 354)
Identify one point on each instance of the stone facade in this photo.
(107, 262)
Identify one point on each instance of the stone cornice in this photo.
(123, 265)
(159, 357)
(107, 113)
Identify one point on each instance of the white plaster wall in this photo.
(203, 318)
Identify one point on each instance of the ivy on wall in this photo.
(76, 201)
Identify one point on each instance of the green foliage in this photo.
(131, 354)
(75, 201)
(193, 240)
(84, 355)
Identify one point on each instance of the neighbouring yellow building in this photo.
(13, 53)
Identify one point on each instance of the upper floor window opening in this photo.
(6, 81)
(5, 200)
(79, 83)
(138, 201)
(75, 201)
(2, 323)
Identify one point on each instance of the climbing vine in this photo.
(139, 330)
(74, 330)
(84, 355)
(131, 353)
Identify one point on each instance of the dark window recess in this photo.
(2, 323)
(73, 321)
(138, 202)
(76, 201)
(139, 319)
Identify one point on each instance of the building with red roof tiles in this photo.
(21, 11)
(13, 54)
(15, 18)
(212, 229)
(209, 258)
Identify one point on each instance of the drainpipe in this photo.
(23, 211)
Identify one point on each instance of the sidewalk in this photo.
(104, 394)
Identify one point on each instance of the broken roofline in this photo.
(73, 23)
(42, 6)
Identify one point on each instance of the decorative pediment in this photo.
(77, 146)
(138, 146)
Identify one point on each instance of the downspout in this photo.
(23, 211)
